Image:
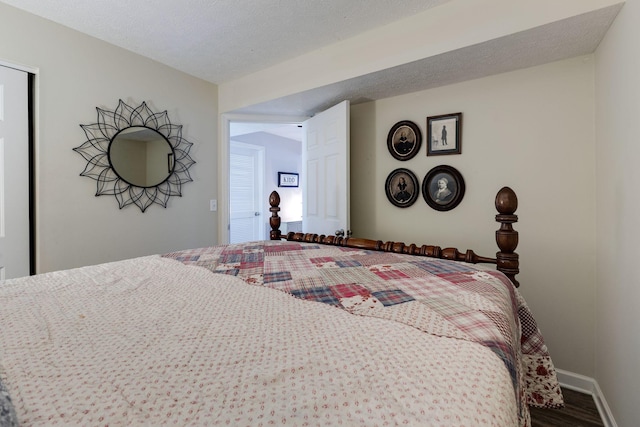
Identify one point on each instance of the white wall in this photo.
(531, 130)
(286, 158)
(618, 213)
(78, 73)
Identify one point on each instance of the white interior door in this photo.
(246, 178)
(14, 174)
(325, 167)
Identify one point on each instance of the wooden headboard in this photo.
(506, 259)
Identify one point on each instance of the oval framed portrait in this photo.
(443, 188)
(402, 188)
(404, 140)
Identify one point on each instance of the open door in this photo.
(325, 167)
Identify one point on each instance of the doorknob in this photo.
(341, 233)
(256, 214)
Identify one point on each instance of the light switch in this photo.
(213, 205)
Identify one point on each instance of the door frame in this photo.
(223, 160)
(33, 94)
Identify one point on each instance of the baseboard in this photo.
(590, 386)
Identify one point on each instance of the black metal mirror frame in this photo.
(96, 152)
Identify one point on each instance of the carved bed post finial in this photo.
(274, 220)
(506, 237)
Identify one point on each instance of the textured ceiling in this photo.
(221, 40)
(579, 35)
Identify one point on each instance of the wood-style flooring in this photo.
(580, 410)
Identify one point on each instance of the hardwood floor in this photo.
(580, 410)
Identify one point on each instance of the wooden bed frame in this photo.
(506, 259)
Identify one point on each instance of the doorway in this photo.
(323, 191)
(257, 152)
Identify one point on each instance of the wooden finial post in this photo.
(506, 237)
(274, 220)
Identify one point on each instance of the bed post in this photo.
(506, 237)
(274, 221)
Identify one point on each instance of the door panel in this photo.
(332, 202)
(326, 171)
(310, 201)
(14, 173)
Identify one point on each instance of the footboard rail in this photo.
(506, 259)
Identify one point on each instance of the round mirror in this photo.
(141, 156)
(136, 155)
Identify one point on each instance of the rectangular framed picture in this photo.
(444, 134)
(288, 179)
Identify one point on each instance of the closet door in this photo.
(246, 200)
(14, 174)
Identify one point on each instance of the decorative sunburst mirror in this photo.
(136, 155)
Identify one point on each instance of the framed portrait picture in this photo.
(404, 140)
(443, 188)
(444, 134)
(288, 179)
(402, 188)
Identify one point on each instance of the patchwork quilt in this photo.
(153, 342)
(439, 297)
(201, 338)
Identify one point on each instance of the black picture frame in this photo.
(452, 193)
(444, 134)
(404, 140)
(402, 188)
(288, 179)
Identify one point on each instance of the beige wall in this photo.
(76, 74)
(618, 213)
(531, 130)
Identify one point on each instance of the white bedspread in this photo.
(151, 341)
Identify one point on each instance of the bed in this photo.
(299, 330)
